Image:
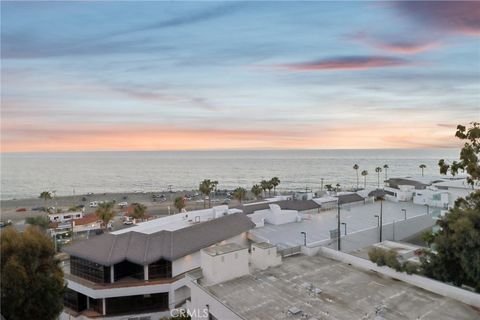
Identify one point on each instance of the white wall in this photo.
(425, 197)
(199, 300)
(262, 258)
(224, 267)
(434, 286)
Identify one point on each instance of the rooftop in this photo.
(179, 220)
(145, 248)
(326, 289)
(318, 226)
(222, 249)
(299, 205)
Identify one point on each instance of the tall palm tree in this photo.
(240, 194)
(179, 203)
(337, 187)
(364, 174)
(139, 211)
(356, 167)
(378, 170)
(269, 187)
(45, 195)
(328, 187)
(206, 187)
(275, 182)
(386, 167)
(422, 166)
(256, 190)
(264, 184)
(105, 213)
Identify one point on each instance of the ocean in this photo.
(25, 175)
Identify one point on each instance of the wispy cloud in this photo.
(453, 16)
(346, 63)
(394, 45)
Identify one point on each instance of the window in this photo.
(139, 303)
(128, 269)
(89, 270)
(74, 300)
(160, 269)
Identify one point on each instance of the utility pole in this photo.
(381, 219)
(321, 181)
(338, 227)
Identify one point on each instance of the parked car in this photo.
(93, 204)
(38, 209)
(89, 193)
(123, 204)
(21, 210)
(128, 221)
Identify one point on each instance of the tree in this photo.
(105, 213)
(422, 166)
(264, 184)
(356, 167)
(45, 195)
(337, 187)
(180, 203)
(206, 187)
(256, 190)
(378, 170)
(40, 221)
(386, 167)
(364, 174)
(139, 211)
(456, 258)
(269, 187)
(240, 194)
(275, 182)
(468, 155)
(32, 284)
(329, 187)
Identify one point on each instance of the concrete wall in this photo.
(200, 299)
(223, 267)
(434, 286)
(262, 258)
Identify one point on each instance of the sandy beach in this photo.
(155, 206)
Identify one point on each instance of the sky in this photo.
(92, 76)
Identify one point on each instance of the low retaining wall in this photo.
(431, 285)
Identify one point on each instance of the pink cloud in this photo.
(347, 63)
(397, 46)
(454, 16)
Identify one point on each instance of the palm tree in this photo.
(264, 185)
(269, 187)
(206, 187)
(139, 211)
(378, 170)
(105, 212)
(179, 203)
(328, 187)
(240, 194)
(275, 182)
(422, 166)
(337, 187)
(256, 190)
(364, 174)
(356, 167)
(386, 167)
(45, 195)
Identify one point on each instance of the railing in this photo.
(290, 251)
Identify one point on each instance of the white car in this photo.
(93, 204)
(127, 222)
(123, 204)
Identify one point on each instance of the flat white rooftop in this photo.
(179, 220)
(358, 217)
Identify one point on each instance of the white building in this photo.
(432, 197)
(459, 188)
(274, 215)
(65, 216)
(140, 270)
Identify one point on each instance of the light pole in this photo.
(345, 227)
(378, 220)
(405, 213)
(381, 218)
(304, 238)
(339, 247)
(393, 230)
(379, 194)
(428, 208)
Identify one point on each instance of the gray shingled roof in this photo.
(141, 248)
(299, 205)
(395, 182)
(349, 198)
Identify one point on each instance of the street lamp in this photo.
(345, 225)
(405, 213)
(338, 226)
(378, 220)
(304, 238)
(428, 208)
(379, 194)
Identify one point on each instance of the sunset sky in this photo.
(237, 75)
